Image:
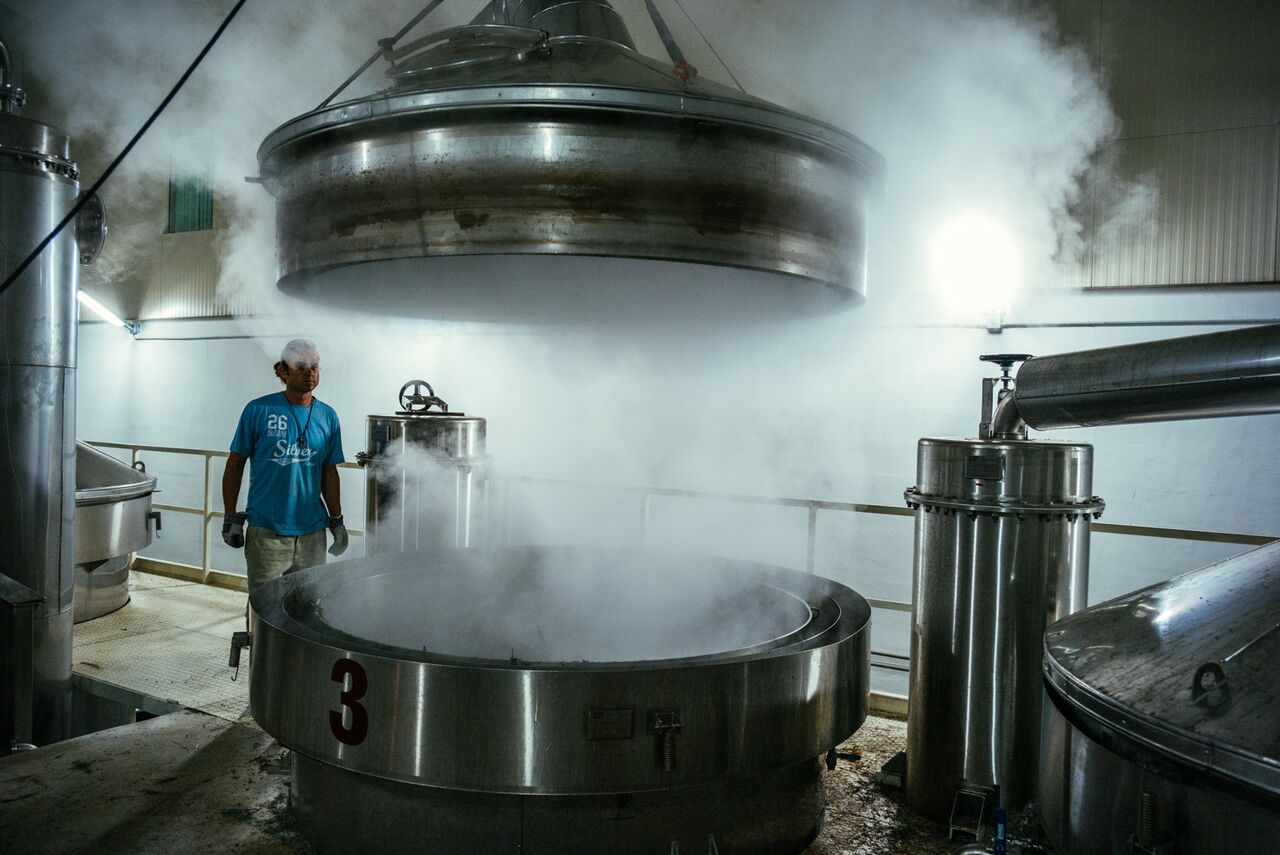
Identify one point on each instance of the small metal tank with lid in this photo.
(114, 519)
(427, 472)
(1001, 551)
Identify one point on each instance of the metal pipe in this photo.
(1233, 373)
(12, 98)
(1006, 421)
(6, 65)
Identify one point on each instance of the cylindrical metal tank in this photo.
(1163, 735)
(540, 134)
(1001, 551)
(113, 519)
(426, 482)
(37, 398)
(558, 700)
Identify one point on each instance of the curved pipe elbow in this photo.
(1007, 422)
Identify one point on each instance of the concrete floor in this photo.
(208, 780)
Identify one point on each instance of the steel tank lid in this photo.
(557, 608)
(504, 156)
(100, 478)
(1186, 670)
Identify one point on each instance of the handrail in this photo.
(896, 662)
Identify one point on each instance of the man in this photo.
(293, 444)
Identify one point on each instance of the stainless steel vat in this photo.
(37, 398)
(426, 485)
(113, 519)
(540, 133)
(1001, 551)
(1163, 735)
(558, 700)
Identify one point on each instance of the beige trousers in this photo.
(268, 555)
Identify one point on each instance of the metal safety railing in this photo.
(644, 496)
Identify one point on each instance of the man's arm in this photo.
(232, 477)
(330, 490)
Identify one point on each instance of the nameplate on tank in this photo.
(616, 723)
(984, 468)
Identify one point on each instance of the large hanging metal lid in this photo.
(1188, 670)
(539, 132)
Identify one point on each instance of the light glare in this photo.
(976, 265)
(106, 314)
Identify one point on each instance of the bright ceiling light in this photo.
(131, 327)
(976, 265)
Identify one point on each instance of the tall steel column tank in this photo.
(1001, 551)
(37, 391)
(427, 471)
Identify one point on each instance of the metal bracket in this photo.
(990, 398)
(239, 641)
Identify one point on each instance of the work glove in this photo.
(339, 532)
(233, 529)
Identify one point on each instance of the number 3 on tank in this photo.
(350, 700)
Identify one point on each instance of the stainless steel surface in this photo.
(100, 479)
(779, 675)
(341, 812)
(584, 148)
(106, 530)
(18, 604)
(1002, 547)
(113, 519)
(1131, 665)
(101, 588)
(427, 482)
(37, 398)
(1232, 373)
(1091, 797)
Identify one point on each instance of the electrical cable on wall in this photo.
(87, 195)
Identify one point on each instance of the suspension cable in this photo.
(680, 66)
(708, 43)
(384, 47)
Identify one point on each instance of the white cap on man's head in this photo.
(299, 350)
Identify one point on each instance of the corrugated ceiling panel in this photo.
(1176, 66)
(184, 281)
(1215, 220)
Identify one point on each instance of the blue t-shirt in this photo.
(284, 473)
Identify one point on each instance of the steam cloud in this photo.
(973, 104)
